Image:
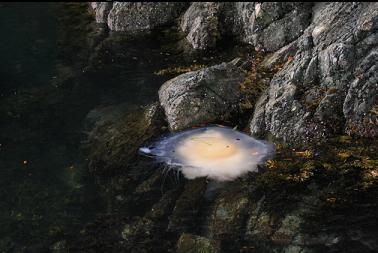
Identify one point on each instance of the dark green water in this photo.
(42, 195)
(49, 82)
(56, 66)
(27, 46)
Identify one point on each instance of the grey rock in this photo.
(258, 122)
(138, 16)
(331, 84)
(267, 26)
(280, 56)
(101, 10)
(202, 96)
(361, 102)
(274, 25)
(200, 23)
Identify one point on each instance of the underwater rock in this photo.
(299, 204)
(114, 138)
(59, 247)
(229, 214)
(138, 16)
(163, 208)
(330, 83)
(189, 243)
(202, 96)
(187, 206)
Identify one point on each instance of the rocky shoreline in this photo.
(309, 84)
(310, 81)
(327, 83)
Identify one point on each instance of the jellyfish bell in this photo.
(216, 152)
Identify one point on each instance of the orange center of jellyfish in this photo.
(208, 146)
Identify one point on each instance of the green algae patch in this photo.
(189, 243)
(173, 71)
(329, 192)
(255, 83)
(258, 79)
(299, 168)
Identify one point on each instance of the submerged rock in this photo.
(187, 206)
(115, 134)
(229, 214)
(300, 204)
(202, 96)
(189, 243)
(59, 247)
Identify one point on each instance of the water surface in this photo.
(51, 78)
(58, 67)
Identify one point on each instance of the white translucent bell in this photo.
(215, 152)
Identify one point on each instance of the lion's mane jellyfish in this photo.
(216, 152)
